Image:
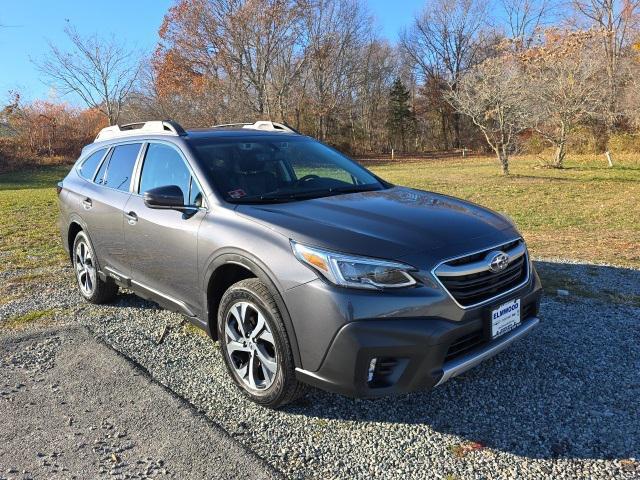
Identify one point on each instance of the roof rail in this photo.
(156, 127)
(261, 125)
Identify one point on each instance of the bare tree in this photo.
(447, 39)
(376, 75)
(244, 43)
(101, 72)
(523, 19)
(336, 33)
(314, 63)
(618, 21)
(567, 86)
(630, 98)
(491, 95)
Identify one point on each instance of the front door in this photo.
(163, 244)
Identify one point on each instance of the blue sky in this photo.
(29, 24)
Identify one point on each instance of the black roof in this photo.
(236, 132)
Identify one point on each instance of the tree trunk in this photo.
(609, 160)
(456, 130)
(558, 157)
(503, 158)
(445, 136)
(561, 151)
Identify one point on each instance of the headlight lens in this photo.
(353, 271)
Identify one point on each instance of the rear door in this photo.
(103, 203)
(163, 244)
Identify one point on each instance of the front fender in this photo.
(258, 268)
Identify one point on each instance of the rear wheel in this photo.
(91, 287)
(255, 345)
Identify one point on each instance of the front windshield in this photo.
(272, 169)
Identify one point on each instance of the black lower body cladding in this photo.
(412, 353)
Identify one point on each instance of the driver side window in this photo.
(163, 166)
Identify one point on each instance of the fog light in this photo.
(385, 371)
(372, 369)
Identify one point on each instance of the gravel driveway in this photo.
(562, 403)
(78, 409)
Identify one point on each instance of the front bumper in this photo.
(463, 363)
(413, 353)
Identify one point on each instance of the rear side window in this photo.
(120, 169)
(163, 166)
(88, 167)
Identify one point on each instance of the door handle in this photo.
(132, 218)
(86, 203)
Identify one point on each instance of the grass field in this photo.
(29, 235)
(585, 212)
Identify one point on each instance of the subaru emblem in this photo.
(498, 262)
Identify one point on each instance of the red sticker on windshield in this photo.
(237, 193)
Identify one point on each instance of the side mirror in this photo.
(167, 197)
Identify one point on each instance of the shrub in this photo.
(624, 143)
(44, 133)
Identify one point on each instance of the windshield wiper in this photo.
(354, 189)
(277, 197)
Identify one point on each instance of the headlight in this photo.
(352, 271)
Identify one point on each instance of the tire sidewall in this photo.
(81, 236)
(241, 292)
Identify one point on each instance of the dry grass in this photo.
(21, 322)
(586, 211)
(29, 236)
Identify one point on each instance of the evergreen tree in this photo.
(401, 120)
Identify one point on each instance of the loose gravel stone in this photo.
(132, 428)
(561, 403)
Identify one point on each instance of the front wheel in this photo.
(255, 345)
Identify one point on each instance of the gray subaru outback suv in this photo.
(306, 267)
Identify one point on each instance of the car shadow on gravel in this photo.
(569, 390)
(129, 299)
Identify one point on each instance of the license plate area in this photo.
(503, 318)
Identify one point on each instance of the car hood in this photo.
(388, 223)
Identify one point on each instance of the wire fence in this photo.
(385, 158)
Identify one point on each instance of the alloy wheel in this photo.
(85, 268)
(250, 346)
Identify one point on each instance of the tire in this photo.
(257, 351)
(85, 266)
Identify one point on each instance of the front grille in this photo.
(470, 341)
(482, 284)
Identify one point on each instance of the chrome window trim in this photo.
(489, 300)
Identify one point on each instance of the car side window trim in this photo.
(105, 161)
(83, 159)
(193, 177)
(107, 158)
(137, 169)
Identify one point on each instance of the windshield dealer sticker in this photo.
(237, 193)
